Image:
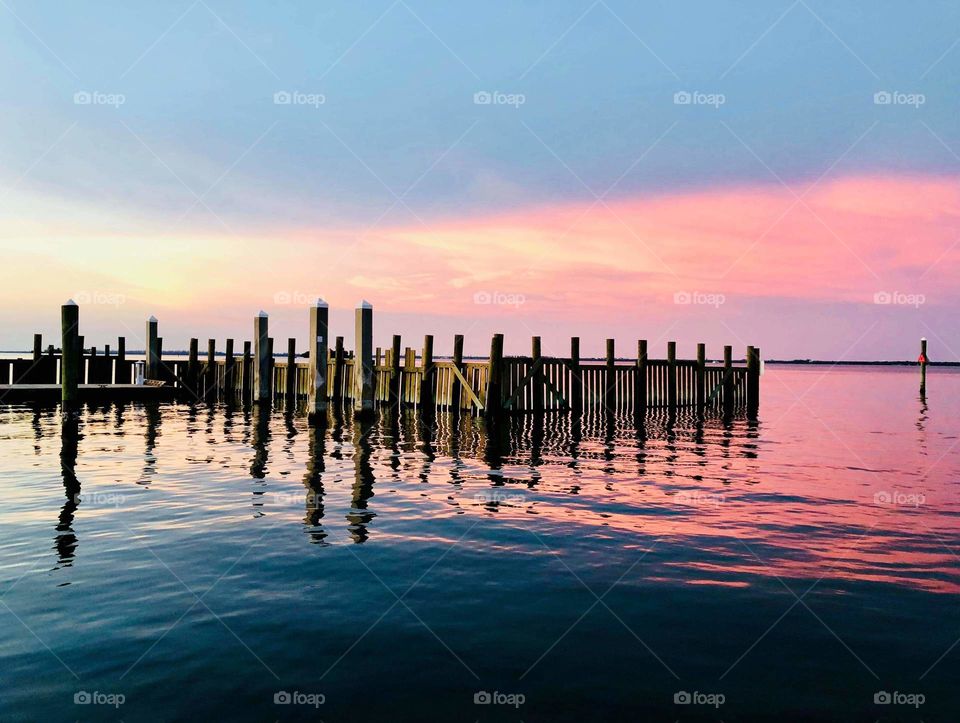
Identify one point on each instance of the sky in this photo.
(776, 173)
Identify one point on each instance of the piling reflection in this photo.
(360, 516)
(65, 542)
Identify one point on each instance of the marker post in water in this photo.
(922, 359)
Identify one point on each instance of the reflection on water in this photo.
(849, 492)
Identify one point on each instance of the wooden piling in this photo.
(753, 380)
(576, 376)
(494, 403)
(37, 346)
(247, 370)
(640, 381)
(672, 377)
(923, 366)
(338, 367)
(262, 388)
(121, 348)
(363, 360)
(727, 380)
(317, 346)
(70, 347)
(427, 399)
(701, 378)
(152, 357)
(229, 372)
(193, 367)
(290, 388)
(456, 389)
(536, 377)
(210, 373)
(610, 378)
(396, 378)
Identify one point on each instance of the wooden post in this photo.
(291, 385)
(152, 366)
(37, 346)
(753, 380)
(247, 370)
(396, 376)
(363, 360)
(81, 361)
(262, 391)
(576, 380)
(106, 350)
(193, 367)
(923, 366)
(537, 386)
(456, 392)
(701, 392)
(338, 386)
(640, 381)
(159, 347)
(727, 379)
(93, 351)
(494, 402)
(672, 376)
(210, 377)
(229, 371)
(317, 346)
(610, 378)
(70, 346)
(121, 349)
(427, 400)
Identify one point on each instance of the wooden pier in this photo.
(365, 378)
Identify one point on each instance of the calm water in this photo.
(198, 561)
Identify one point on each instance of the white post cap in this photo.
(70, 302)
(262, 314)
(321, 304)
(364, 304)
(152, 320)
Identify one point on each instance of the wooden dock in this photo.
(364, 378)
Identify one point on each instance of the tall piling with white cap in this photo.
(363, 361)
(151, 353)
(317, 345)
(262, 388)
(70, 347)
